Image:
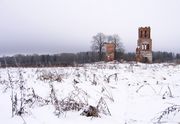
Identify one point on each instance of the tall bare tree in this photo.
(97, 44)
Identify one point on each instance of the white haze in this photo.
(55, 26)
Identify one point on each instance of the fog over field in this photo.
(43, 26)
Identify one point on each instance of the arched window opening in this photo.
(147, 46)
(145, 33)
(142, 46)
(141, 33)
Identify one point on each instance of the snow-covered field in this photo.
(123, 93)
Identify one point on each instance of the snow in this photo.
(134, 93)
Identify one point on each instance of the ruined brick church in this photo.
(143, 50)
(110, 51)
(144, 45)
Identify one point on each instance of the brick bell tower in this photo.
(144, 45)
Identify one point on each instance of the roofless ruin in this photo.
(144, 45)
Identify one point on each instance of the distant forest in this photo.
(72, 59)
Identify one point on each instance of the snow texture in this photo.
(124, 93)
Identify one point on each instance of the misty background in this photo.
(56, 26)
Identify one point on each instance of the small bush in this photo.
(91, 111)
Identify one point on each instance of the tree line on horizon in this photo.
(97, 54)
(72, 59)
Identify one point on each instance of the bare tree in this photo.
(118, 44)
(97, 44)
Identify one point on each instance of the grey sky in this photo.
(55, 26)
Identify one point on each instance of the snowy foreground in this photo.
(124, 93)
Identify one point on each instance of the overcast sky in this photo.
(56, 26)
